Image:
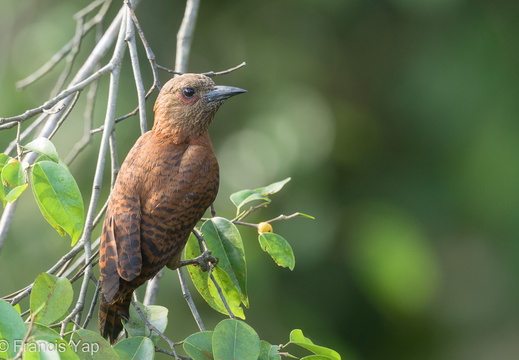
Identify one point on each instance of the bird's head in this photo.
(186, 105)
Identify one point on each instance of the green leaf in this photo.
(15, 193)
(89, 345)
(135, 348)
(224, 240)
(4, 159)
(199, 346)
(268, 351)
(155, 314)
(45, 338)
(272, 188)
(51, 297)
(43, 146)
(297, 338)
(306, 216)
(13, 175)
(205, 286)
(278, 248)
(316, 357)
(230, 292)
(234, 339)
(200, 278)
(12, 328)
(58, 198)
(243, 197)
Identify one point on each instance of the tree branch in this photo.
(185, 35)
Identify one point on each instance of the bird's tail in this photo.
(110, 315)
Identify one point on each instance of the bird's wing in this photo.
(120, 249)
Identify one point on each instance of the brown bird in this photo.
(166, 183)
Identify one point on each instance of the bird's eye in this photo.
(188, 92)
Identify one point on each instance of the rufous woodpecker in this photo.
(166, 183)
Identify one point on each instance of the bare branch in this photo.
(189, 299)
(185, 35)
(64, 94)
(225, 72)
(92, 305)
(141, 93)
(147, 48)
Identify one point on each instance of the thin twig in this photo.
(65, 115)
(147, 47)
(62, 95)
(92, 305)
(130, 114)
(88, 122)
(163, 68)
(26, 338)
(212, 73)
(161, 350)
(154, 329)
(69, 60)
(189, 299)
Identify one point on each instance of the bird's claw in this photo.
(206, 261)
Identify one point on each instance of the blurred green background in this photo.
(398, 123)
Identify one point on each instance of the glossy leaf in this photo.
(89, 345)
(58, 198)
(224, 240)
(43, 146)
(12, 328)
(243, 197)
(205, 286)
(234, 339)
(200, 278)
(199, 346)
(278, 248)
(272, 188)
(135, 348)
(316, 357)
(297, 337)
(268, 351)
(156, 315)
(51, 297)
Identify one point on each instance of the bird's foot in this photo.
(206, 261)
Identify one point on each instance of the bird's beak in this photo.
(220, 93)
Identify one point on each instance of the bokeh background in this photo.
(398, 123)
